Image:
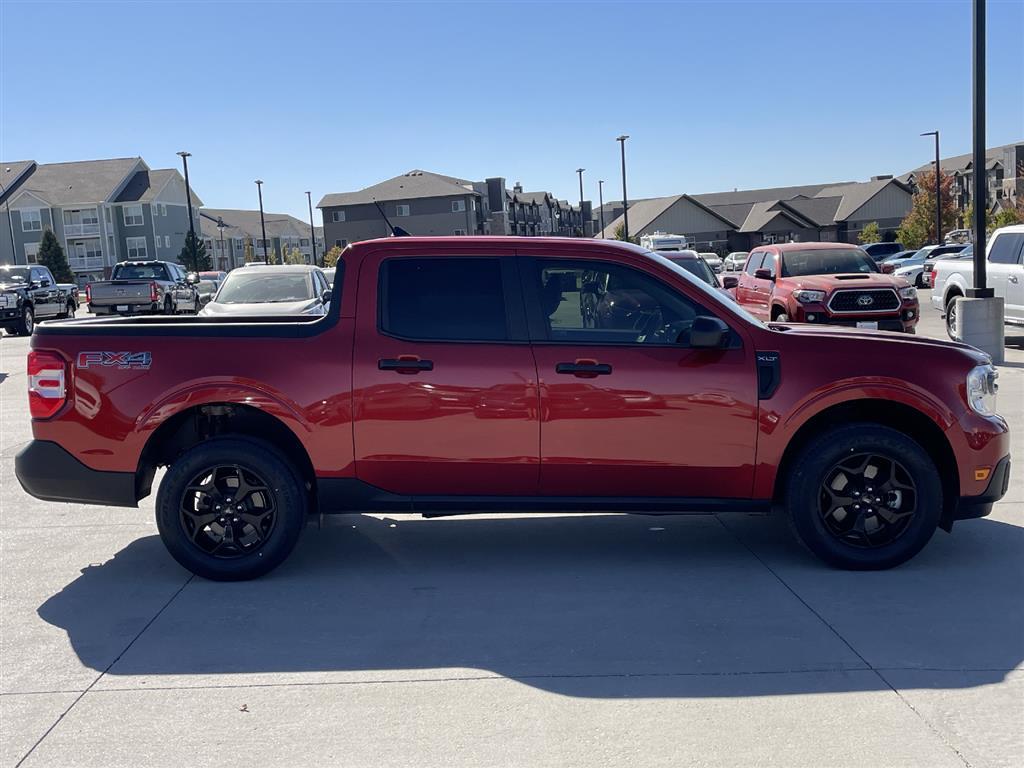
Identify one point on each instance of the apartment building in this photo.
(1004, 168)
(102, 212)
(227, 232)
(425, 203)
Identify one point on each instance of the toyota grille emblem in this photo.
(865, 301)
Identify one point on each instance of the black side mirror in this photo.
(763, 274)
(730, 281)
(327, 296)
(708, 333)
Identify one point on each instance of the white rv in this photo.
(661, 241)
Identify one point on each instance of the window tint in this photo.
(770, 260)
(444, 299)
(754, 262)
(1006, 248)
(600, 303)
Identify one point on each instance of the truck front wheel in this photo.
(231, 509)
(864, 497)
(27, 323)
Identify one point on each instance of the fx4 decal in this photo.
(136, 360)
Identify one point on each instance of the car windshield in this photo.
(252, 287)
(206, 287)
(14, 275)
(826, 261)
(141, 272)
(697, 267)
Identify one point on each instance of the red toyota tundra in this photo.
(833, 283)
(465, 374)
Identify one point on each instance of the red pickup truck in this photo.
(471, 374)
(830, 283)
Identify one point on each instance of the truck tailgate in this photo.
(120, 292)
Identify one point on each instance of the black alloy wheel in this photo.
(227, 511)
(951, 319)
(867, 500)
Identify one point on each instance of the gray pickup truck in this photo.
(144, 287)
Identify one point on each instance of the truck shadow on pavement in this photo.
(596, 606)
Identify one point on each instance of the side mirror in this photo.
(327, 296)
(763, 274)
(44, 283)
(192, 278)
(730, 281)
(708, 333)
(887, 269)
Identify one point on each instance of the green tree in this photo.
(620, 234)
(332, 256)
(249, 255)
(51, 255)
(193, 254)
(294, 256)
(918, 228)
(968, 220)
(870, 233)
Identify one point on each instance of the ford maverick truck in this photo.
(462, 374)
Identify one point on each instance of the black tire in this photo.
(919, 281)
(275, 510)
(27, 323)
(840, 541)
(951, 317)
(168, 306)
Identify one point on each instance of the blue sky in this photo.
(336, 96)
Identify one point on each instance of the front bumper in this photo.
(905, 320)
(47, 471)
(133, 309)
(971, 507)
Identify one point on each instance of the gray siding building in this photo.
(231, 234)
(102, 212)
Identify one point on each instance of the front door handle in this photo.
(405, 364)
(585, 369)
(1012, 278)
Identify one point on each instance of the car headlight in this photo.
(982, 386)
(809, 297)
(908, 293)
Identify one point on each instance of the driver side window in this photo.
(603, 303)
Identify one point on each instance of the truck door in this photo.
(1006, 271)
(444, 382)
(627, 408)
(45, 295)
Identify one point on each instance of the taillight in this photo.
(153, 295)
(88, 293)
(46, 379)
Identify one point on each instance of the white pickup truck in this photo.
(1005, 273)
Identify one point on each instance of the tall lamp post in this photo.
(10, 221)
(222, 262)
(188, 196)
(583, 225)
(625, 205)
(312, 229)
(600, 203)
(263, 224)
(938, 189)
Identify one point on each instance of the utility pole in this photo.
(188, 196)
(625, 205)
(600, 202)
(583, 225)
(263, 224)
(312, 229)
(938, 189)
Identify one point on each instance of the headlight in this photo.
(809, 297)
(908, 293)
(982, 386)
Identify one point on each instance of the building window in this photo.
(31, 250)
(133, 216)
(338, 216)
(31, 220)
(209, 244)
(460, 232)
(167, 241)
(340, 243)
(163, 209)
(402, 210)
(136, 247)
(458, 206)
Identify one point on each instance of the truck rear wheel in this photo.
(951, 318)
(168, 306)
(231, 509)
(864, 497)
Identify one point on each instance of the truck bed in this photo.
(195, 325)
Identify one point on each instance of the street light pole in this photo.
(220, 231)
(263, 224)
(938, 189)
(583, 226)
(625, 205)
(312, 229)
(980, 181)
(600, 203)
(188, 196)
(10, 221)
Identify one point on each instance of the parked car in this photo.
(143, 287)
(272, 290)
(734, 261)
(1004, 272)
(206, 289)
(458, 374)
(213, 274)
(912, 269)
(713, 260)
(896, 260)
(831, 283)
(695, 264)
(29, 294)
(880, 251)
(963, 236)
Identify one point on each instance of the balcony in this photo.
(85, 264)
(80, 230)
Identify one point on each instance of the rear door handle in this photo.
(405, 364)
(585, 369)
(1012, 278)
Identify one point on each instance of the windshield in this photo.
(251, 287)
(141, 272)
(715, 296)
(14, 275)
(826, 261)
(697, 267)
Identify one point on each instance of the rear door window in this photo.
(443, 299)
(1006, 248)
(754, 262)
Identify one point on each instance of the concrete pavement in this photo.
(537, 641)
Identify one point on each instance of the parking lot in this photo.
(592, 640)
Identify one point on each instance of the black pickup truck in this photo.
(29, 294)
